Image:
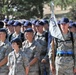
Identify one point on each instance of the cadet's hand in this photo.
(27, 70)
(43, 61)
(74, 70)
(52, 69)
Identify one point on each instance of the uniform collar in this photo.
(29, 44)
(17, 34)
(2, 43)
(17, 54)
(41, 34)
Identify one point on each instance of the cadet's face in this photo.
(11, 28)
(29, 35)
(64, 27)
(15, 46)
(39, 29)
(46, 26)
(72, 29)
(2, 36)
(17, 28)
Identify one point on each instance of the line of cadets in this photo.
(36, 39)
(32, 57)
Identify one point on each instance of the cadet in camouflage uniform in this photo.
(32, 48)
(10, 26)
(41, 37)
(74, 35)
(72, 28)
(5, 48)
(33, 26)
(22, 28)
(17, 60)
(63, 54)
(46, 25)
(17, 31)
(10, 29)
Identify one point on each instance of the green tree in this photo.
(4, 7)
(63, 3)
(73, 11)
(23, 8)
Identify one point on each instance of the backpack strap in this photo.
(22, 37)
(72, 39)
(46, 36)
(56, 40)
(10, 37)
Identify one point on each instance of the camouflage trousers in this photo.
(3, 74)
(44, 69)
(64, 65)
(33, 73)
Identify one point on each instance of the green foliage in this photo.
(73, 11)
(63, 3)
(31, 8)
(23, 8)
(5, 9)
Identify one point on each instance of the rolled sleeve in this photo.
(8, 49)
(37, 51)
(25, 60)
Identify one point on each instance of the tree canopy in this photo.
(21, 9)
